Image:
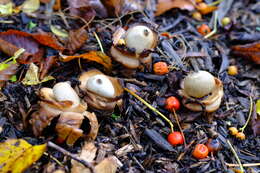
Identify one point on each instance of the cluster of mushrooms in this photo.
(200, 90)
(62, 101)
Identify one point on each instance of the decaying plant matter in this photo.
(62, 101)
(134, 45)
(102, 92)
(201, 90)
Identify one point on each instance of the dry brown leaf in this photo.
(250, 51)
(87, 9)
(108, 165)
(96, 56)
(121, 7)
(76, 39)
(165, 5)
(88, 153)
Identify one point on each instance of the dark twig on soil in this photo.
(73, 156)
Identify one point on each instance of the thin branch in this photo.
(73, 156)
(236, 156)
(150, 107)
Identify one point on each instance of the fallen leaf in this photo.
(250, 51)
(207, 9)
(121, 7)
(87, 9)
(12, 40)
(108, 165)
(165, 5)
(30, 6)
(17, 155)
(6, 9)
(47, 65)
(32, 77)
(96, 56)
(88, 153)
(258, 106)
(76, 39)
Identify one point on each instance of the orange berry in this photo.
(213, 145)
(175, 138)
(201, 151)
(232, 70)
(240, 135)
(172, 103)
(160, 68)
(233, 130)
(196, 15)
(203, 29)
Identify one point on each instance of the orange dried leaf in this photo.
(251, 51)
(165, 5)
(206, 9)
(96, 56)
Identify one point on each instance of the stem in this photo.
(215, 27)
(249, 115)
(215, 3)
(15, 56)
(236, 156)
(245, 165)
(178, 123)
(150, 107)
(73, 156)
(99, 42)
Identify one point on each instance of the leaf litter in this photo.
(79, 39)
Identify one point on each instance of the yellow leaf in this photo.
(98, 57)
(30, 6)
(32, 77)
(6, 9)
(16, 155)
(59, 32)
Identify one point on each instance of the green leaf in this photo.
(58, 31)
(6, 9)
(4, 66)
(115, 117)
(258, 106)
(31, 25)
(13, 78)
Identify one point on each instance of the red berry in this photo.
(172, 103)
(175, 138)
(201, 151)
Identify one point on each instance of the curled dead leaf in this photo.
(95, 56)
(165, 5)
(76, 39)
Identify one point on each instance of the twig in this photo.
(99, 42)
(53, 158)
(249, 115)
(178, 123)
(215, 26)
(245, 165)
(73, 156)
(236, 156)
(185, 150)
(150, 107)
